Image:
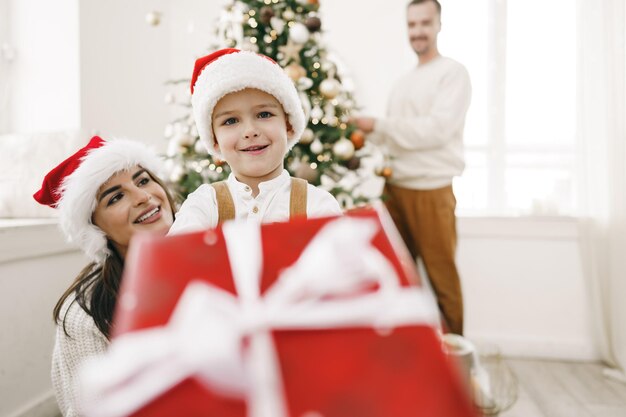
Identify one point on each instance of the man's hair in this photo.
(437, 4)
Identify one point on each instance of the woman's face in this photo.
(128, 202)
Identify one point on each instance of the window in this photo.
(520, 130)
(6, 56)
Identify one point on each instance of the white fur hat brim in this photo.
(79, 191)
(235, 72)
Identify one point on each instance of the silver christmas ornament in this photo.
(343, 149)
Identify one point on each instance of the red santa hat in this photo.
(231, 70)
(71, 187)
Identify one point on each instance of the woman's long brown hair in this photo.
(96, 286)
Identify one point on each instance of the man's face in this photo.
(424, 24)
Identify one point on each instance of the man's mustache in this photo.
(418, 38)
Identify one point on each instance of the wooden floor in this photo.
(565, 389)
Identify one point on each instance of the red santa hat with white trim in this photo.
(230, 70)
(72, 186)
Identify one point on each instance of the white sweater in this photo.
(84, 341)
(423, 130)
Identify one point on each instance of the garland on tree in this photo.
(331, 150)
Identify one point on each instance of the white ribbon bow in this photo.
(203, 337)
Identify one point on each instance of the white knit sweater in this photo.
(84, 341)
(423, 129)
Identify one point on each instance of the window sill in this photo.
(30, 238)
(522, 227)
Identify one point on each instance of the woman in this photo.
(105, 192)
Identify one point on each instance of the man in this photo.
(423, 135)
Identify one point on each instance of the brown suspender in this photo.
(226, 206)
(297, 199)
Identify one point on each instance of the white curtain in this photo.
(602, 156)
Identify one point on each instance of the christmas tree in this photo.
(331, 153)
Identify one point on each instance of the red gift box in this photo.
(395, 368)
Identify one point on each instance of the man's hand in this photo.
(366, 124)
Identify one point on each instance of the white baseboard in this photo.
(532, 348)
(45, 406)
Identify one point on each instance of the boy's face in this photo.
(251, 131)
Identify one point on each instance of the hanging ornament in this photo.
(317, 113)
(295, 71)
(329, 110)
(176, 174)
(288, 14)
(305, 171)
(358, 139)
(330, 88)
(153, 18)
(290, 51)
(384, 172)
(265, 14)
(343, 149)
(183, 139)
(313, 24)
(249, 46)
(316, 146)
(277, 24)
(353, 163)
(307, 136)
(299, 33)
(304, 83)
(314, 2)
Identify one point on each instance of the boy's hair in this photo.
(231, 70)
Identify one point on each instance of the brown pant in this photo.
(426, 221)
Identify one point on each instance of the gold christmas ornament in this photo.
(153, 18)
(316, 146)
(307, 136)
(343, 149)
(289, 14)
(295, 71)
(290, 51)
(305, 171)
(330, 88)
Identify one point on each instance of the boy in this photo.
(248, 113)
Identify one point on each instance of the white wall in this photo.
(35, 268)
(124, 63)
(524, 287)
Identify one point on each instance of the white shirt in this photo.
(199, 211)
